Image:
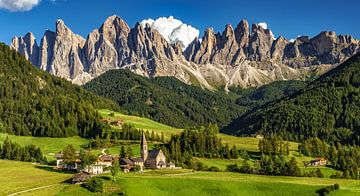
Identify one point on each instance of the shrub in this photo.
(214, 169)
(94, 185)
(137, 168)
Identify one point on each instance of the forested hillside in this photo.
(329, 108)
(165, 99)
(33, 102)
(169, 101)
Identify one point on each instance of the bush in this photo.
(137, 168)
(94, 185)
(214, 169)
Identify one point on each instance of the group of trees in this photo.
(199, 142)
(274, 145)
(342, 157)
(268, 165)
(33, 102)
(272, 161)
(328, 108)
(108, 137)
(28, 153)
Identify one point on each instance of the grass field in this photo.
(141, 123)
(206, 183)
(49, 146)
(18, 176)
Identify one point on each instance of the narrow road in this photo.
(33, 189)
(103, 151)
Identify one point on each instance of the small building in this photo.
(171, 165)
(126, 165)
(118, 123)
(96, 168)
(69, 166)
(106, 160)
(320, 161)
(80, 177)
(139, 162)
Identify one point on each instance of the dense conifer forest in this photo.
(170, 101)
(329, 108)
(33, 102)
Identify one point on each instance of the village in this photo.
(150, 159)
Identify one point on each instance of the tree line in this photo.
(29, 153)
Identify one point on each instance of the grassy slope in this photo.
(141, 123)
(206, 183)
(18, 176)
(49, 146)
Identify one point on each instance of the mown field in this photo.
(19, 176)
(141, 123)
(186, 182)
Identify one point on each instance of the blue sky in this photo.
(284, 17)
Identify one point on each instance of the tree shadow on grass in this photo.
(51, 169)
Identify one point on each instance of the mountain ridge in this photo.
(236, 57)
(328, 109)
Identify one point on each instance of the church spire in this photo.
(143, 147)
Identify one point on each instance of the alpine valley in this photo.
(130, 111)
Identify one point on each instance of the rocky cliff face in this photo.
(241, 56)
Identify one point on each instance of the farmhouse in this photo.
(318, 162)
(98, 167)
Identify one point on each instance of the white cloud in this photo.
(265, 26)
(18, 5)
(173, 30)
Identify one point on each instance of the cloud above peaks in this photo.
(18, 5)
(173, 30)
(263, 25)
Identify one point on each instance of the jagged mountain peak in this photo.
(241, 56)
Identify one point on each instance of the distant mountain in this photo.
(329, 108)
(33, 102)
(235, 57)
(172, 102)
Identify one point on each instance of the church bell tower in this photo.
(143, 147)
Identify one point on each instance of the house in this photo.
(139, 162)
(320, 161)
(171, 165)
(70, 166)
(126, 165)
(80, 177)
(106, 160)
(118, 123)
(153, 159)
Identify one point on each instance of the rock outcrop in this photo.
(241, 57)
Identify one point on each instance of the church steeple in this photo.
(143, 147)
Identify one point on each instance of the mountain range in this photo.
(236, 57)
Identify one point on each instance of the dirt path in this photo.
(33, 189)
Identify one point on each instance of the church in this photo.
(150, 159)
(153, 159)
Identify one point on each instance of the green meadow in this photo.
(186, 182)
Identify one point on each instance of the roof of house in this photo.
(126, 162)
(81, 177)
(58, 155)
(137, 159)
(106, 158)
(153, 153)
